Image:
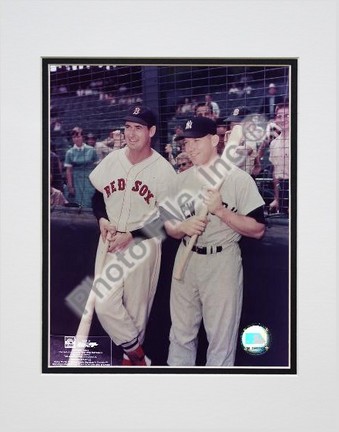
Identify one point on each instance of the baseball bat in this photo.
(180, 267)
(234, 139)
(84, 327)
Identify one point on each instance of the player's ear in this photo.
(215, 140)
(152, 131)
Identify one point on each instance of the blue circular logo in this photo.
(256, 339)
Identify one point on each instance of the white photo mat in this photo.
(31, 401)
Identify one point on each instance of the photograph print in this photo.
(169, 215)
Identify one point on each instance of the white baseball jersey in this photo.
(132, 193)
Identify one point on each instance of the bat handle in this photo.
(179, 268)
(87, 316)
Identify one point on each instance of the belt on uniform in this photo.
(204, 250)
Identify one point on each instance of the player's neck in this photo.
(211, 161)
(136, 156)
(211, 171)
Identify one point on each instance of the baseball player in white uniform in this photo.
(211, 289)
(133, 181)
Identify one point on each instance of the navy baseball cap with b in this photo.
(142, 115)
(238, 114)
(198, 127)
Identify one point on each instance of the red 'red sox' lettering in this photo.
(120, 185)
(143, 190)
(136, 186)
(115, 185)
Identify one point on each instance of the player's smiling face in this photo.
(201, 151)
(138, 137)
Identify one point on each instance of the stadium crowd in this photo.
(263, 152)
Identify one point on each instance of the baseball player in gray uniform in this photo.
(211, 289)
(133, 182)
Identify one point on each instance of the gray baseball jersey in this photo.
(239, 194)
(212, 286)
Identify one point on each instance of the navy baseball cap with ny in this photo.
(198, 127)
(142, 115)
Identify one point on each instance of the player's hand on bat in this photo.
(194, 225)
(107, 230)
(213, 200)
(119, 241)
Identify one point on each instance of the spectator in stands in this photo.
(107, 97)
(123, 102)
(245, 90)
(56, 172)
(270, 101)
(280, 159)
(185, 109)
(234, 90)
(56, 196)
(244, 154)
(63, 90)
(194, 104)
(118, 139)
(59, 142)
(56, 128)
(183, 162)
(214, 105)
(130, 100)
(273, 130)
(204, 110)
(221, 132)
(178, 131)
(171, 158)
(172, 151)
(114, 141)
(138, 99)
(88, 91)
(79, 163)
(174, 148)
(91, 139)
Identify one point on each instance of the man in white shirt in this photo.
(280, 159)
(214, 105)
